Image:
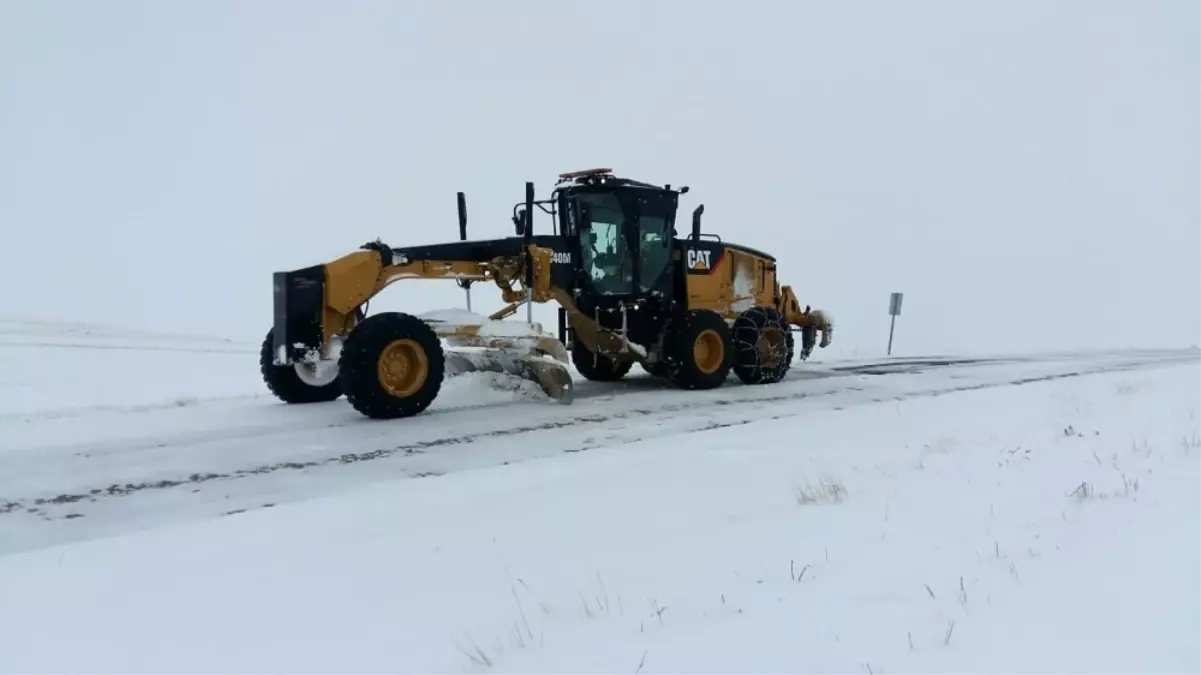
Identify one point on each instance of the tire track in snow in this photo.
(36, 504)
(137, 348)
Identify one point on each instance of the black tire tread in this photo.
(659, 369)
(598, 367)
(747, 329)
(286, 385)
(681, 368)
(357, 365)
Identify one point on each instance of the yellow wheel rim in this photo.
(772, 349)
(402, 367)
(708, 351)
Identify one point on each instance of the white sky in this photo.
(1026, 172)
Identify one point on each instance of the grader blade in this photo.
(480, 344)
(551, 376)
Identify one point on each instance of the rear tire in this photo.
(699, 350)
(763, 346)
(596, 367)
(285, 383)
(392, 365)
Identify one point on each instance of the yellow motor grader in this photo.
(629, 288)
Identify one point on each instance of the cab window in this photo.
(655, 250)
(607, 259)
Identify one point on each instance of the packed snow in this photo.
(487, 327)
(934, 515)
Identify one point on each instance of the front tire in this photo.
(763, 346)
(286, 383)
(392, 365)
(596, 367)
(658, 369)
(699, 350)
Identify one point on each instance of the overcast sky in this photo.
(1026, 172)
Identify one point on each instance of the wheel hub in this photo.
(772, 348)
(708, 351)
(402, 367)
(319, 372)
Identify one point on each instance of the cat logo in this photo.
(698, 259)
(561, 257)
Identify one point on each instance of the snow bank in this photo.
(62, 369)
(55, 333)
(1049, 526)
(66, 370)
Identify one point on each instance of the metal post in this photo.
(465, 284)
(894, 309)
(891, 327)
(529, 258)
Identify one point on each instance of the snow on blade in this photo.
(639, 349)
(458, 317)
(482, 387)
(511, 329)
(488, 327)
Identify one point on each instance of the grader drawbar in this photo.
(690, 308)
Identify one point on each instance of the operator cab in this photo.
(621, 234)
(623, 231)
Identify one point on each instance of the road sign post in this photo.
(894, 310)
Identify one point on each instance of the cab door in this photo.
(607, 259)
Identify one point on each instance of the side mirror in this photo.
(519, 222)
(566, 216)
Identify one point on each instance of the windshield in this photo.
(607, 259)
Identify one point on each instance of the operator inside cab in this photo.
(609, 268)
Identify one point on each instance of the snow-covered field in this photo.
(160, 513)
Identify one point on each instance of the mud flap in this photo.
(552, 376)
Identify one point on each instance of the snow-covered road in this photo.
(1026, 514)
(114, 432)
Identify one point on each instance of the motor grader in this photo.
(630, 290)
